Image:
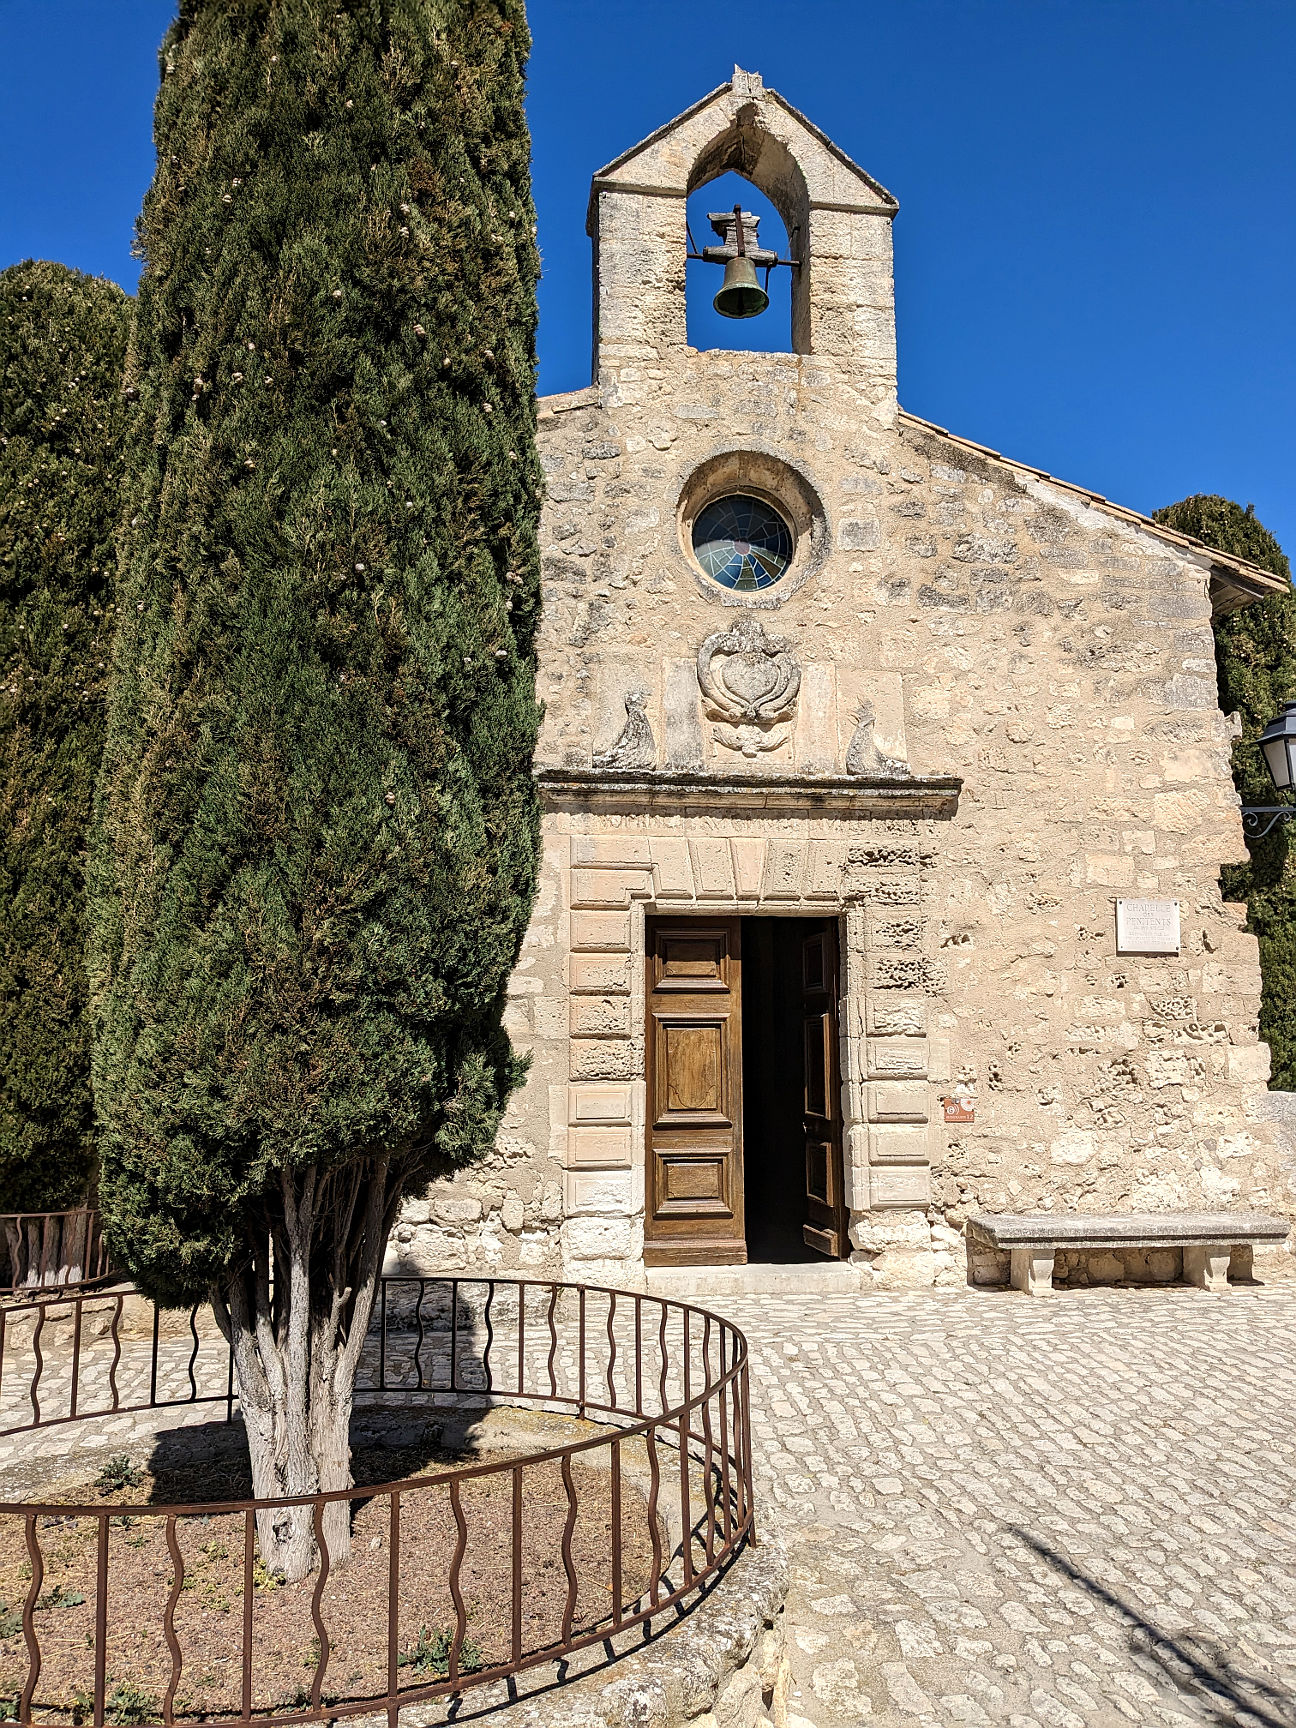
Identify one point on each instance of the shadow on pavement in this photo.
(1198, 1669)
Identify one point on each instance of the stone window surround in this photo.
(758, 469)
(616, 875)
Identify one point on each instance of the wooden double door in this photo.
(727, 1031)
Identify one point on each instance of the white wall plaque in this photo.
(1147, 926)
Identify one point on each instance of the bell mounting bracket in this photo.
(737, 229)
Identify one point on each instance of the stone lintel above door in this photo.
(688, 792)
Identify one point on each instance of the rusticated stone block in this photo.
(713, 876)
(595, 888)
(600, 1147)
(674, 867)
(594, 1103)
(600, 930)
(897, 1058)
(600, 1016)
(605, 1059)
(888, 932)
(896, 1017)
(784, 865)
(897, 1101)
(603, 974)
(899, 1186)
(892, 1143)
(884, 890)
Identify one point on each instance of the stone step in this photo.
(801, 1278)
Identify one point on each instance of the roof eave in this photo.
(1234, 581)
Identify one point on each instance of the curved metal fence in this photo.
(459, 1575)
(42, 1251)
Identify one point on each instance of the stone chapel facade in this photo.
(834, 833)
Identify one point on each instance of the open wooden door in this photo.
(694, 1193)
(825, 1199)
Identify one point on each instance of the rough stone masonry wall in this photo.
(1056, 657)
(1070, 677)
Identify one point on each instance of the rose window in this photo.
(742, 543)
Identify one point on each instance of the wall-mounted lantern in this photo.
(1278, 746)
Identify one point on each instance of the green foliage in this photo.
(126, 1706)
(430, 1654)
(1255, 655)
(58, 1597)
(317, 829)
(62, 346)
(119, 1472)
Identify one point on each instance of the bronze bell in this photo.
(741, 295)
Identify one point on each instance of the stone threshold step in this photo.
(802, 1278)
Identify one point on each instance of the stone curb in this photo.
(687, 1670)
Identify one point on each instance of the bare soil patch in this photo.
(209, 1611)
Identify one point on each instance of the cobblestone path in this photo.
(1077, 1513)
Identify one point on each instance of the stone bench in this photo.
(1206, 1238)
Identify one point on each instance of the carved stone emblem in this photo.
(636, 747)
(749, 683)
(862, 754)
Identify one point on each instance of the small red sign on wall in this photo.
(956, 1111)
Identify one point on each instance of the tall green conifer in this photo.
(62, 344)
(318, 827)
(1255, 656)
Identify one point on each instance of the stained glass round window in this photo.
(742, 543)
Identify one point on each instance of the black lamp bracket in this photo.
(1254, 825)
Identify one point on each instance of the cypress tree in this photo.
(317, 825)
(1255, 658)
(62, 344)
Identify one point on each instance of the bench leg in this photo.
(1207, 1268)
(1032, 1271)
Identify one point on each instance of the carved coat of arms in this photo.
(749, 683)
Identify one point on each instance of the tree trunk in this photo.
(33, 1237)
(296, 1316)
(13, 1239)
(74, 1249)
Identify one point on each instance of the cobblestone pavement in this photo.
(1077, 1513)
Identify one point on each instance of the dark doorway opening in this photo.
(791, 1115)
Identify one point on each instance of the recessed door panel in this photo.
(690, 1071)
(818, 1157)
(816, 1031)
(693, 1182)
(694, 1209)
(692, 962)
(825, 1200)
(814, 962)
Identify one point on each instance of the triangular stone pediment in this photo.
(754, 131)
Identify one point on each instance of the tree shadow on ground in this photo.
(1198, 1669)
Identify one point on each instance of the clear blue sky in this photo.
(1096, 246)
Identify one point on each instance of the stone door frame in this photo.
(618, 869)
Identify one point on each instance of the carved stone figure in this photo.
(749, 683)
(636, 747)
(862, 754)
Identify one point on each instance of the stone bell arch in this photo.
(838, 220)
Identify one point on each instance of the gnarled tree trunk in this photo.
(296, 1315)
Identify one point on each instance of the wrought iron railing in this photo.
(42, 1251)
(458, 1576)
